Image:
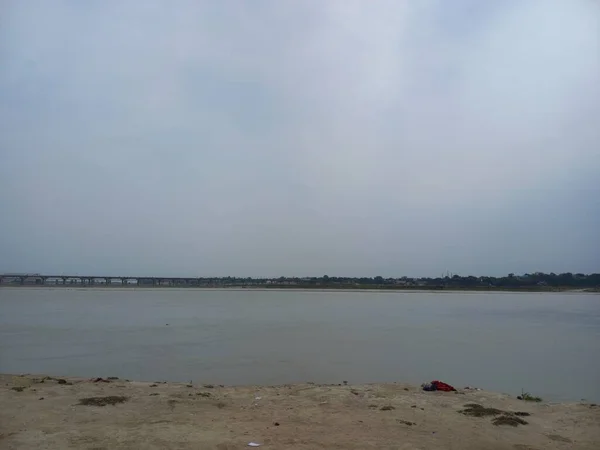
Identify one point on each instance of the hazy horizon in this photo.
(300, 138)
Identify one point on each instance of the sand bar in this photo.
(42, 412)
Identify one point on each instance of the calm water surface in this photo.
(548, 344)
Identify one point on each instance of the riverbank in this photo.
(53, 413)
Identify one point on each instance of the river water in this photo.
(548, 344)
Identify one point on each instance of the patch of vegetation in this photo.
(475, 410)
(526, 396)
(387, 408)
(103, 401)
(473, 405)
(499, 417)
(172, 404)
(509, 419)
(18, 388)
(204, 394)
(558, 438)
(406, 422)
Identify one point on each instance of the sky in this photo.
(299, 138)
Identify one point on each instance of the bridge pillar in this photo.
(22, 279)
(124, 281)
(108, 281)
(44, 279)
(64, 280)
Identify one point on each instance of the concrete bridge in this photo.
(91, 280)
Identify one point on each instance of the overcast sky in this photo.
(268, 138)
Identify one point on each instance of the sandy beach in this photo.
(62, 413)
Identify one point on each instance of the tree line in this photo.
(528, 280)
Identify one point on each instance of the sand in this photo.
(46, 413)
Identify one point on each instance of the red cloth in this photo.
(441, 386)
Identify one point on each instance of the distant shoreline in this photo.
(396, 289)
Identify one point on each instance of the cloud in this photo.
(298, 138)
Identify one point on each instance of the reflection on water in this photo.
(548, 344)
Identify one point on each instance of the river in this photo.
(545, 343)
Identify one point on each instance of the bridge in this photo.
(91, 280)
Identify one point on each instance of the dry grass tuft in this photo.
(103, 401)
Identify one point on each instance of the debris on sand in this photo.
(387, 408)
(18, 388)
(100, 380)
(103, 401)
(437, 385)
